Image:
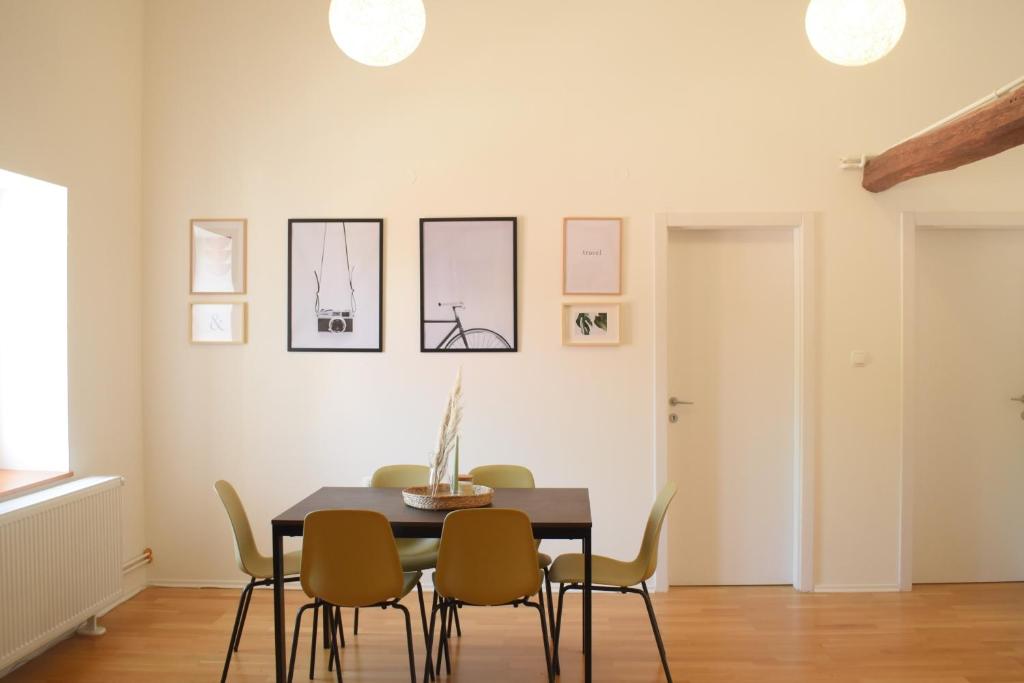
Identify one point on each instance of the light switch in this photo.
(858, 359)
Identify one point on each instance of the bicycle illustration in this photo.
(474, 338)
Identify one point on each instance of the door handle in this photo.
(1018, 398)
(676, 402)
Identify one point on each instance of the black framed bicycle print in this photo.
(468, 285)
(335, 284)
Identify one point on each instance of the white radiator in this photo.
(60, 562)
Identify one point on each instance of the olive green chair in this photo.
(349, 559)
(487, 557)
(416, 554)
(515, 477)
(616, 576)
(257, 566)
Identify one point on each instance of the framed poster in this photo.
(592, 256)
(217, 256)
(468, 284)
(335, 284)
(218, 323)
(591, 324)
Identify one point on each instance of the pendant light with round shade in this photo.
(855, 32)
(377, 32)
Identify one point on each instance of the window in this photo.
(33, 330)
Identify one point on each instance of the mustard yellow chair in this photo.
(257, 566)
(487, 557)
(615, 576)
(416, 554)
(349, 559)
(515, 477)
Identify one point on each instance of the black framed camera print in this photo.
(335, 284)
(468, 285)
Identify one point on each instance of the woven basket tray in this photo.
(469, 496)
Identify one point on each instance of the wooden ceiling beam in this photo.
(984, 132)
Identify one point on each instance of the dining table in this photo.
(555, 513)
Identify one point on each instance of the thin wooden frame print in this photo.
(224, 322)
(592, 256)
(591, 324)
(217, 255)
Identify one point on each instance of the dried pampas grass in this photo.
(447, 435)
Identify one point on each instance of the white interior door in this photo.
(731, 352)
(969, 463)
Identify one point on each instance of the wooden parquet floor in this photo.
(938, 634)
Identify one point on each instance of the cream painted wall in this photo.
(539, 110)
(71, 113)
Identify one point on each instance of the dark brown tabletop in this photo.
(555, 513)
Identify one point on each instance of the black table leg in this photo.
(279, 606)
(588, 650)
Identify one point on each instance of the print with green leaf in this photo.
(584, 322)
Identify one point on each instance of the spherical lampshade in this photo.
(377, 32)
(855, 32)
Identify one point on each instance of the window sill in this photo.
(17, 482)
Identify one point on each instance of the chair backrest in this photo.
(487, 557)
(503, 476)
(349, 558)
(648, 555)
(400, 476)
(246, 552)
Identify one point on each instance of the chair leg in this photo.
(312, 641)
(295, 639)
(544, 633)
(340, 626)
(327, 636)
(245, 612)
(331, 628)
(334, 645)
(442, 643)
(452, 607)
(408, 635)
(557, 629)
(551, 603)
(458, 626)
(657, 631)
(442, 619)
(423, 610)
(234, 634)
(428, 671)
(355, 626)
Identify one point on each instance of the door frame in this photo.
(910, 223)
(804, 366)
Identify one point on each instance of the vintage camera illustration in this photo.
(330, 320)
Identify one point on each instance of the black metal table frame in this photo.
(548, 531)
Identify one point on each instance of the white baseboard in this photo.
(857, 588)
(210, 583)
(239, 584)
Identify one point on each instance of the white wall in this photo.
(71, 113)
(539, 110)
